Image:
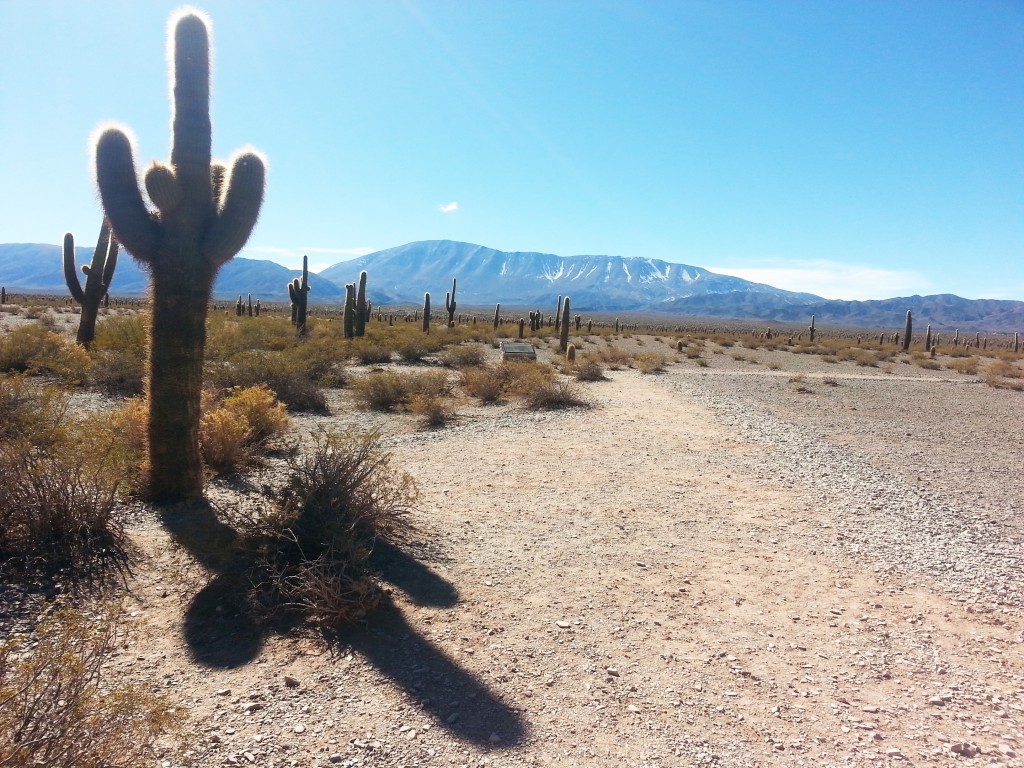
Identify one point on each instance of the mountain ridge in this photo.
(402, 274)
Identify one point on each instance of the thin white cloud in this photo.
(449, 207)
(275, 251)
(834, 280)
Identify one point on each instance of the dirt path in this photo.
(603, 588)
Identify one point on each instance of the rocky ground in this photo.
(766, 561)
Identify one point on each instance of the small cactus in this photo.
(928, 338)
(426, 313)
(570, 353)
(811, 329)
(97, 279)
(522, 327)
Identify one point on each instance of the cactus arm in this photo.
(242, 198)
(70, 272)
(120, 195)
(163, 188)
(191, 129)
(110, 263)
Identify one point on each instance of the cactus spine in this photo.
(361, 311)
(908, 328)
(449, 304)
(98, 275)
(563, 335)
(298, 292)
(204, 214)
(426, 313)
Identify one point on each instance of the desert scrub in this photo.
(310, 552)
(118, 353)
(35, 349)
(553, 394)
(921, 360)
(59, 480)
(483, 383)
(649, 362)
(434, 411)
(59, 709)
(463, 356)
(287, 374)
(388, 390)
(235, 426)
(966, 365)
(370, 353)
(587, 369)
(614, 357)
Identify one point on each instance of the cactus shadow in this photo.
(219, 628)
(420, 583)
(455, 699)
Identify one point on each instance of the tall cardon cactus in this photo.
(908, 328)
(98, 275)
(359, 328)
(298, 292)
(205, 212)
(563, 326)
(449, 305)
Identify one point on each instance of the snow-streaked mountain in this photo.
(486, 276)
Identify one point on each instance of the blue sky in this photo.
(852, 149)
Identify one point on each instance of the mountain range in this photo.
(486, 276)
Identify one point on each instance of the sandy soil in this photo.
(658, 580)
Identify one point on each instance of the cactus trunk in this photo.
(98, 277)
(563, 336)
(359, 327)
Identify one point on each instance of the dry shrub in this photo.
(1000, 382)
(432, 409)
(966, 365)
(388, 390)
(58, 708)
(1004, 369)
(233, 427)
(588, 370)
(119, 355)
(649, 362)
(464, 356)
(311, 550)
(553, 395)
(614, 357)
(483, 383)
(290, 376)
(58, 484)
(369, 353)
(35, 349)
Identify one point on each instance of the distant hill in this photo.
(486, 276)
(37, 267)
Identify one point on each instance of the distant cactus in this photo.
(563, 336)
(3, 295)
(558, 315)
(449, 305)
(204, 214)
(238, 306)
(522, 327)
(257, 308)
(497, 315)
(811, 329)
(98, 275)
(349, 314)
(928, 338)
(956, 337)
(1016, 343)
(298, 292)
(426, 313)
(249, 304)
(908, 328)
(359, 321)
